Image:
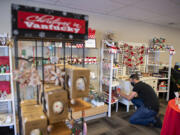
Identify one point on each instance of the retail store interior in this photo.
(89, 67)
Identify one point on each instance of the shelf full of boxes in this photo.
(7, 100)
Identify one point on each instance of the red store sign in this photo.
(37, 21)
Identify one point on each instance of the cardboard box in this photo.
(73, 75)
(55, 97)
(33, 122)
(26, 110)
(28, 102)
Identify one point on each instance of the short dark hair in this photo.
(134, 76)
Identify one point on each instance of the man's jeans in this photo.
(143, 115)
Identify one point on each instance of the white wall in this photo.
(127, 30)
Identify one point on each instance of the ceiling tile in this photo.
(45, 1)
(162, 20)
(133, 13)
(162, 7)
(99, 6)
(126, 1)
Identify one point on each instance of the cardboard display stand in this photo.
(72, 76)
(54, 95)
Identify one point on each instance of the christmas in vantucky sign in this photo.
(33, 22)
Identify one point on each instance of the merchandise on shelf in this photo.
(96, 99)
(158, 44)
(91, 33)
(5, 89)
(5, 119)
(79, 60)
(5, 40)
(4, 64)
(4, 69)
(163, 86)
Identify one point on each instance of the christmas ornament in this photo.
(35, 132)
(80, 84)
(58, 107)
(133, 56)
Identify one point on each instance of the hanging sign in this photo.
(31, 22)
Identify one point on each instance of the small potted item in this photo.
(2, 69)
(7, 69)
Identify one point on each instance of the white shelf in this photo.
(7, 125)
(158, 65)
(3, 46)
(162, 78)
(162, 91)
(4, 74)
(10, 98)
(111, 103)
(150, 51)
(5, 100)
(115, 68)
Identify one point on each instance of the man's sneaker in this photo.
(158, 123)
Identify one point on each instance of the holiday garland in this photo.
(133, 56)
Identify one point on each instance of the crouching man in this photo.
(145, 99)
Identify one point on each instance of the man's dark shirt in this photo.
(147, 94)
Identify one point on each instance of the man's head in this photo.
(134, 78)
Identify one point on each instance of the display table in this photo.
(91, 111)
(171, 120)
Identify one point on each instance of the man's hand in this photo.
(128, 97)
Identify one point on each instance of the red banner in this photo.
(37, 21)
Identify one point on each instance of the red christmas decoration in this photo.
(133, 56)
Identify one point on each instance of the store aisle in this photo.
(118, 124)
